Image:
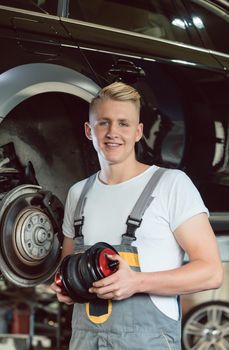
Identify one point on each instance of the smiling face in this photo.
(114, 129)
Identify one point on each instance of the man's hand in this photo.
(67, 249)
(120, 285)
(60, 296)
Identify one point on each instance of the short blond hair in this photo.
(117, 91)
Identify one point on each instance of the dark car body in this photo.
(184, 88)
(55, 56)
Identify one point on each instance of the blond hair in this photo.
(117, 91)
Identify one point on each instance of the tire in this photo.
(206, 327)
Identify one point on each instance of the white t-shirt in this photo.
(176, 199)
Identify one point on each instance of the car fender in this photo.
(21, 82)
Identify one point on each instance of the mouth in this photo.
(112, 144)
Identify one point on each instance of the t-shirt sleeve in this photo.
(69, 211)
(184, 201)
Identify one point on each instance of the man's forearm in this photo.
(192, 277)
(68, 247)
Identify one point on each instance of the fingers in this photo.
(105, 281)
(60, 296)
(55, 288)
(120, 285)
(110, 296)
(108, 292)
(101, 290)
(114, 257)
(107, 288)
(64, 299)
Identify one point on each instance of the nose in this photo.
(112, 130)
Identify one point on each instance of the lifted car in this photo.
(55, 56)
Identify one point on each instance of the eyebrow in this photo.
(119, 120)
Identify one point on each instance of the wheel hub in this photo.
(212, 335)
(33, 235)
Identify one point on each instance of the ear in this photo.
(87, 129)
(139, 132)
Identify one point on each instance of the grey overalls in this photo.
(131, 324)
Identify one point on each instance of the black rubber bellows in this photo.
(78, 271)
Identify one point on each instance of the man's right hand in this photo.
(67, 249)
(60, 296)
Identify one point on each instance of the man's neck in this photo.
(116, 173)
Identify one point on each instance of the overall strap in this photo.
(78, 216)
(135, 218)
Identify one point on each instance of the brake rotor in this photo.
(33, 236)
(30, 237)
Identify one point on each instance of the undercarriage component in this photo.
(12, 173)
(77, 272)
(30, 235)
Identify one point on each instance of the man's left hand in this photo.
(120, 285)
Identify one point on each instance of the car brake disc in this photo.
(30, 235)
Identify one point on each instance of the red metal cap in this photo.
(103, 262)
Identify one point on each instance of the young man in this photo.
(142, 302)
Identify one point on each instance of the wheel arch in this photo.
(24, 81)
